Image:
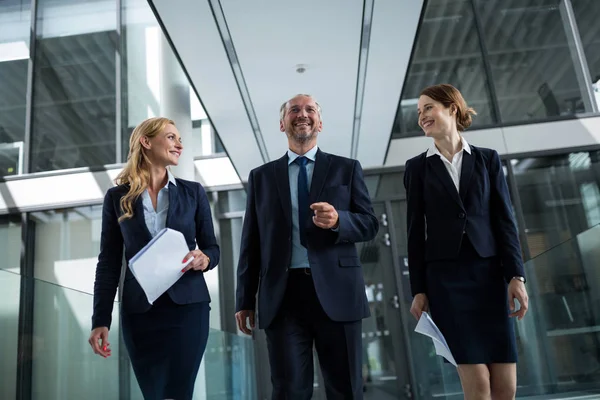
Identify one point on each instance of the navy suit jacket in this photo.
(438, 215)
(189, 213)
(266, 246)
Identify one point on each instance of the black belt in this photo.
(304, 271)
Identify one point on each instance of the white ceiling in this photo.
(267, 39)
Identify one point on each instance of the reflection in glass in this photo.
(64, 365)
(560, 349)
(560, 197)
(10, 284)
(587, 15)
(15, 25)
(151, 72)
(530, 59)
(74, 113)
(446, 51)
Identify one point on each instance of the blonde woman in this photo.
(165, 340)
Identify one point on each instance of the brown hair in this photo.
(136, 173)
(448, 95)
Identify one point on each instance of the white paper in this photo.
(158, 265)
(427, 327)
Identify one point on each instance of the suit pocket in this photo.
(349, 262)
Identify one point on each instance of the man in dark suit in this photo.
(305, 267)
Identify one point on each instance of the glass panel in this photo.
(229, 368)
(67, 243)
(10, 284)
(15, 27)
(587, 15)
(10, 243)
(231, 201)
(385, 185)
(530, 59)
(64, 365)
(560, 196)
(560, 338)
(74, 114)
(446, 51)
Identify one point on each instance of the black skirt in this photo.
(166, 345)
(469, 303)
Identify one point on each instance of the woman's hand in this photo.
(99, 341)
(199, 263)
(516, 290)
(419, 304)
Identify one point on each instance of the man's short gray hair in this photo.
(283, 108)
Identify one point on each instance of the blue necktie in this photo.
(302, 198)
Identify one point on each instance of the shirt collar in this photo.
(311, 155)
(171, 179)
(433, 150)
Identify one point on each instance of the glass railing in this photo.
(559, 339)
(59, 364)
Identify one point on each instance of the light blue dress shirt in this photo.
(156, 220)
(299, 252)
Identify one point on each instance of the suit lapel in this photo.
(322, 161)
(468, 165)
(282, 181)
(442, 173)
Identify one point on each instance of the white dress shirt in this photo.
(454, 168)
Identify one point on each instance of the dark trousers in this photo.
(301, 324)
(165, 346)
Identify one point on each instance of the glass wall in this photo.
(447, 49)
(15, 25)
(65, 248)
(92, 82)
(10, 285)
(515, 61)
(560, 197)
(74, 87)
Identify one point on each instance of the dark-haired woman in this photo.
(463, 249)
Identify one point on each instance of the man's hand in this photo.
(242, 321)
(419, 304)
(516, 290)
(199, 263)
(326, 217)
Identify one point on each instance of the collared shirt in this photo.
(299, 252)
(455, 167)
(156, 220)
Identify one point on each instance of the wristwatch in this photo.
(519, 278)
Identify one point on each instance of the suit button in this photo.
(461, 215)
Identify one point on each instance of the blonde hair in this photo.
(283, 108)
(449, 95)
(136, 173)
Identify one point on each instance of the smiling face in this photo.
(435, 119)
(301, 120)
(165, 148)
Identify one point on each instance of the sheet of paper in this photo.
(158, 265)
(427, 327)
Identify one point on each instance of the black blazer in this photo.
(438, 215)
(266, 246)
(189, 213)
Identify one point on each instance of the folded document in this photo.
(427, 327)
(158, 265)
